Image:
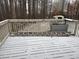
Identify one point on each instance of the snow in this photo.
(40, 48)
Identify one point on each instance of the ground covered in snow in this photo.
(40, 48)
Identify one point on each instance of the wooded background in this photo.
(38, 9)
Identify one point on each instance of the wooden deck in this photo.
(40, 48)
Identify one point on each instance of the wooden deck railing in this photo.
(4, 31)
(27, 27)
(33, 27)
(21, 26)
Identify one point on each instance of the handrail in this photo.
(31, 20)
(3, 22)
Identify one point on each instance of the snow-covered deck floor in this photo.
(40, 48)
